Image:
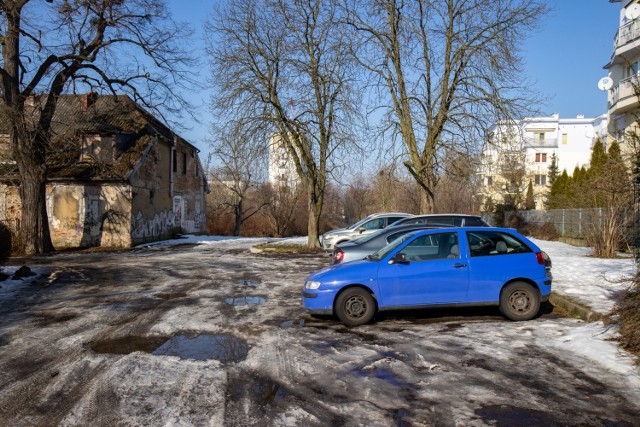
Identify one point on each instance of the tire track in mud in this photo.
(41, 398)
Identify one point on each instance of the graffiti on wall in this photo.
(160, 224)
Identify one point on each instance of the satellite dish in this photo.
(632, 12)
(605, 83)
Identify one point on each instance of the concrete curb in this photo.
(574, 308)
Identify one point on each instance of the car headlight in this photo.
(329, 237)
(310, 284)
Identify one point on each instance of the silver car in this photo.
(360, 248)
(361, 228)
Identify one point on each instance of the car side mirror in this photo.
(361, 230)
(399, 258)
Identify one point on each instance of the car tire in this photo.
(355, 307)
(519, 301)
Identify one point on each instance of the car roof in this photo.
(447, 214)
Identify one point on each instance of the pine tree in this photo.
(530, 203)
(559, 191)
(598, 158)
(553, 170)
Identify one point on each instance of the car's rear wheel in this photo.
(355, 307)
(519, 301)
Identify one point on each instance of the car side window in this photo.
(489, 243)
(473, 222)
(439, 220)
(432, 246)
(392, 219)
(374, 224)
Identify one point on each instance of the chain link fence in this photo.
(574, 223)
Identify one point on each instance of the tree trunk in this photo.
(313, 226)
(238, 221)
(427, 202)
(34, 236)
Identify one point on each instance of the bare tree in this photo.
(284, 66)
(458, 185)
(449, 67)
(242, 161)
(102, 45)
(281, 204)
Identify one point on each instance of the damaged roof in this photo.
(89, 114)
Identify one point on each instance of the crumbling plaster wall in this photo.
(89, 215)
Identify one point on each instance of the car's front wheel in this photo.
(355, 307)
(519, 301)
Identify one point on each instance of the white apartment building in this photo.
(522, 151)
(282, 169)
(623, 68)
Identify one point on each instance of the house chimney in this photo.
(88, 99)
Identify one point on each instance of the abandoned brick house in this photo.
(116, 176)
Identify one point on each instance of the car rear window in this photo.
(489, 243)
(474, 222)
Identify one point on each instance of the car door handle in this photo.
(459, 265)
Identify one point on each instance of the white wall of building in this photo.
(282, 169)
(539, 138)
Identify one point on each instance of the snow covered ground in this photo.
(594, 282)
(76, 348)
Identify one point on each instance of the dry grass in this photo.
(627, 312)
(288, 249)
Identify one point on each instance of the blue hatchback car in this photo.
(439, 267)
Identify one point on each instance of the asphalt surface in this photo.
(217, 335)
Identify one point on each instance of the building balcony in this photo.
(627, 33)
(542, 143)
(623, 96)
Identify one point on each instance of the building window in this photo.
(541, 179)
(541, 157)
(565, 138)
(541, 136)
(184, 163)
(489, 181)
(175, 160)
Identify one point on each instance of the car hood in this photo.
(351, 271)
(335, 232)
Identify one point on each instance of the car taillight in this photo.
(338, 255)
(540, 258)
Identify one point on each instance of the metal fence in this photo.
(570, 223)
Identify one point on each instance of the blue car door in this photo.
(433, 273)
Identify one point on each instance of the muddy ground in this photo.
(215, 335)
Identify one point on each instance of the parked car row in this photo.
(379, 221)
(422, 265)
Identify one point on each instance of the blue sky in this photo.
(563, 58)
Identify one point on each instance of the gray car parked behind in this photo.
(360, 248)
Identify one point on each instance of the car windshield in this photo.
(365, 239)
(359, 223)
(381, 253)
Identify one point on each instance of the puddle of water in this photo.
(266, 392)
(292, 324)
(248, 282)
(399, 416)
(45, 319)
(383, 374)
(225, 348)
(171, 295)
(505, 415)
(128, 344)
(247, 300)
